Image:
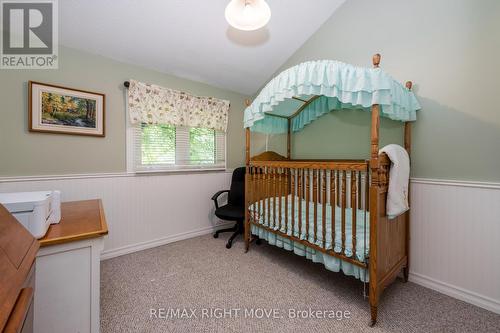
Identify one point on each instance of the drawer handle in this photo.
(18, 315)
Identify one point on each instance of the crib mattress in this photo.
(330, 262)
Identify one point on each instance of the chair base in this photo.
(237, 230)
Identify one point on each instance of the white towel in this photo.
(399, 176)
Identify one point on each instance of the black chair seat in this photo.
(230, 213)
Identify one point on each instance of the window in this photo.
(167, 147)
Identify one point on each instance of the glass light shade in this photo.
(248, 14)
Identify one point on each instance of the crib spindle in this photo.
(359, 189)
(280, 191)
(255, 189)
(308, 199)
(332, 205)
(292, 180)
(343, 209)
(367, 192)
(274, 197)
(315, 202)
(264, 198)
(339, 186)
(353, 210)
(258, 192)
(275, 194)
(367, 200)
(268, 196)
(286, 200)
(323, 202)
(250, 189)
(299, 190)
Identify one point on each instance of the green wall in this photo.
(450, 49)
(24, 153)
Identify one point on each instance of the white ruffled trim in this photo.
(354, 86)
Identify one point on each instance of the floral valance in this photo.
(153, 104)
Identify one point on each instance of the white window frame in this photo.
(131, 158)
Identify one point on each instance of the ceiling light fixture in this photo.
(248, 15)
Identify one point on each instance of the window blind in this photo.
(167, 147)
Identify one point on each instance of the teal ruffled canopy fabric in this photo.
(327, 85)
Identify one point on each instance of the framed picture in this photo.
(56, 109)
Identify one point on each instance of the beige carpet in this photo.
(201, 274)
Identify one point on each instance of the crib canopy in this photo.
(309, 90)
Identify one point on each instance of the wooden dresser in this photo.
(18, 249)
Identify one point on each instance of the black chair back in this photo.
(236, 195)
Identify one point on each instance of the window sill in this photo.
(180, 171)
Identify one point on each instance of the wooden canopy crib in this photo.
(331, 211)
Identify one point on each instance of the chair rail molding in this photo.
(458, 183)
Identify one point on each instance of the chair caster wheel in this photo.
(258, 241)
(216, 235)
(228, 245)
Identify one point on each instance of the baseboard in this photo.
(456, 292)
(108, 254)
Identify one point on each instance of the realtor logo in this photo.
(29, 34)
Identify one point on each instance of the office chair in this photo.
(234, 210)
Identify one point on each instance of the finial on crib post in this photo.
(376, 60)
(409, 84)
(247, 102)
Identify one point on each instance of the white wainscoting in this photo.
(142, 211)
(455, 228)
(455, 239)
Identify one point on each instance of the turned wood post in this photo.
(374, 204)
(375, 126)
(288, 140)
(247, 139)
(247, 184)
(289, 148)
(407, 138)
(247, 146)
(374, 139)
(375, 131)
(407, 143)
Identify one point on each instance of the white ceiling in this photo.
(191, 38)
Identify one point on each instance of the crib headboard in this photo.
(268, 156)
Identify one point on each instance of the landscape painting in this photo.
(56, 109)
(68, 110)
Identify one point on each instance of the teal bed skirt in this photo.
(330, 262)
